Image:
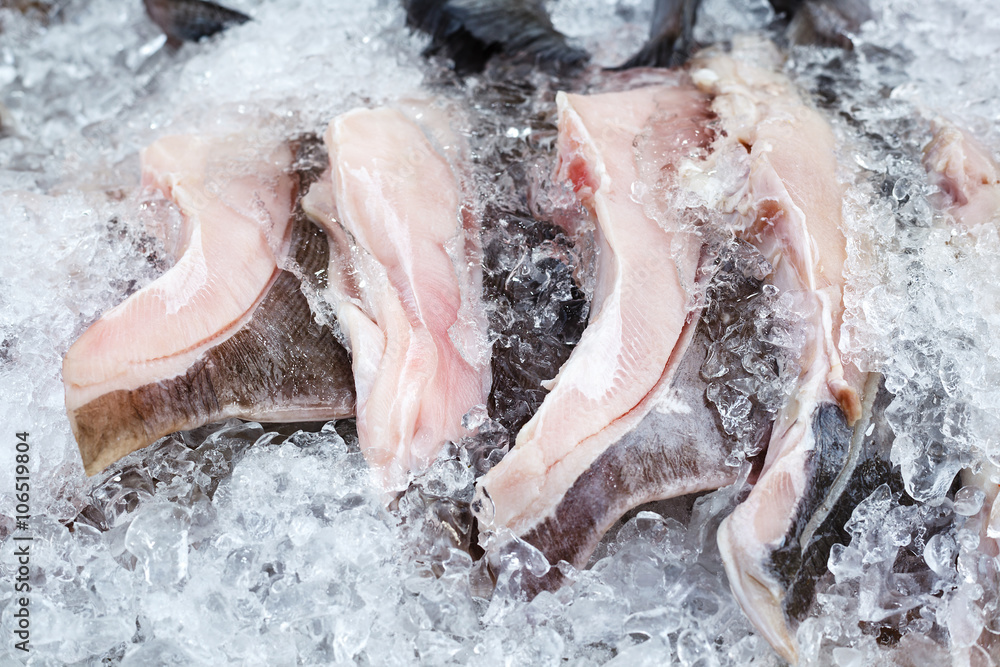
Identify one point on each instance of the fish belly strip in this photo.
(224, 332)
(231, 222)
(791, 211)
(364, 338)
(642, 305)
(400, 202)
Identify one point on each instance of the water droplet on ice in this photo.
(847, 657)
(901, 190)
(969, 500)
(693, 648)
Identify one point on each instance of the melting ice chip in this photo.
(969, 500)
(940, 552)
(158, 538)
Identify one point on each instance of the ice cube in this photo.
(969, 500)
(939, 554)
(158, 538)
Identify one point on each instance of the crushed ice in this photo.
(234, 544)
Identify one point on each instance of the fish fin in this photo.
(671, 36)
(470, 32)
(828, 22)
(191, 20)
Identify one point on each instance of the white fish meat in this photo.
(788, 205)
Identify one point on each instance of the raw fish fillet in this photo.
(789, 206)
(225, 332)
(412, 308)
(553, 487)
(675, 450)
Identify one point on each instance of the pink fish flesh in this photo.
(223, 333)
(788, 205)
(415, 322)
(556, 487)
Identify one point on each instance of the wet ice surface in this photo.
(750, 366)
(230, 544)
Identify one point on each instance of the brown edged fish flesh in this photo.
(572, 471)
(787, 203)
(224, 332)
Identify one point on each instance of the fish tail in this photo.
(671, 36)
(470, 32)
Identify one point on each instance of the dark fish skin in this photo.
(43, 11)
(671, 35)
(191, 20)
(786, 7)
(791, 562)
(470, 32)
(6, 123)
(537, 308)
(802, 566)
(525, 354)
(818, 22)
